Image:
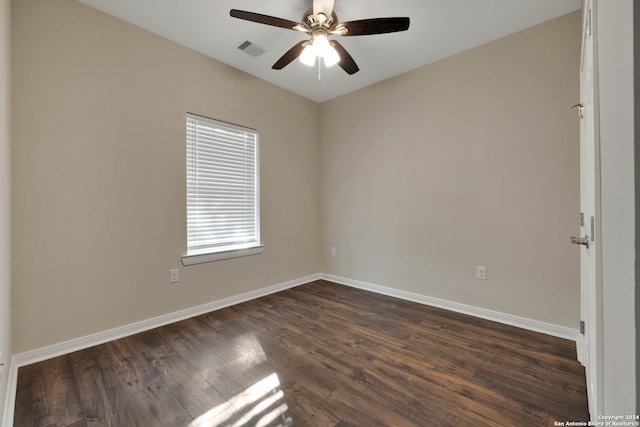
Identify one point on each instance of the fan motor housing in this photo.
(312, 20)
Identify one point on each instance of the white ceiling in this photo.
(439, 28)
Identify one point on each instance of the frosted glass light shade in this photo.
(332, 57)
(321, 45)
(308, 56)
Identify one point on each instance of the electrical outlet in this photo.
(174, 276)
(333, 251)
(481, 272)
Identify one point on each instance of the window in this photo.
(223, 210)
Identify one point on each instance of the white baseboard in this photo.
(483, 313)
(81, 343)
(48, 352)
(66, 347)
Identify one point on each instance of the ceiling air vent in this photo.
(251, 49)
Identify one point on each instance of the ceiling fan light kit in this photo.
(320, 47)
(320, 22)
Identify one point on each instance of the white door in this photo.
(589, 349)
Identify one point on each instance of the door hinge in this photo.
(581, 219)
(582, 327)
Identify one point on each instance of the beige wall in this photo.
(5, 230)
(99, 174)
(473, 160)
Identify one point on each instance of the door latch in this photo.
(581, 240)
(580, 108)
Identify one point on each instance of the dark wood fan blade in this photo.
(289, 56)
(266, 19)
(346, 61)
(365, 27)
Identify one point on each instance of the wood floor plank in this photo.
(320, 354)
(153, 405)
(89, 379)
(54, 396)
(123, 367)
(205, 360)
(302, 398)
(189, 387)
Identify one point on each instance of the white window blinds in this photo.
(222, 187)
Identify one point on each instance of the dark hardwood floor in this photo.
(316, 355)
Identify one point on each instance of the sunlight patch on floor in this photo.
(250, 403)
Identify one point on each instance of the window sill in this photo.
(217, 256)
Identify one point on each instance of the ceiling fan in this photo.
(320, 22)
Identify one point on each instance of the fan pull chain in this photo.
(319, 68)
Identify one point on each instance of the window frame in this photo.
(234, 249)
